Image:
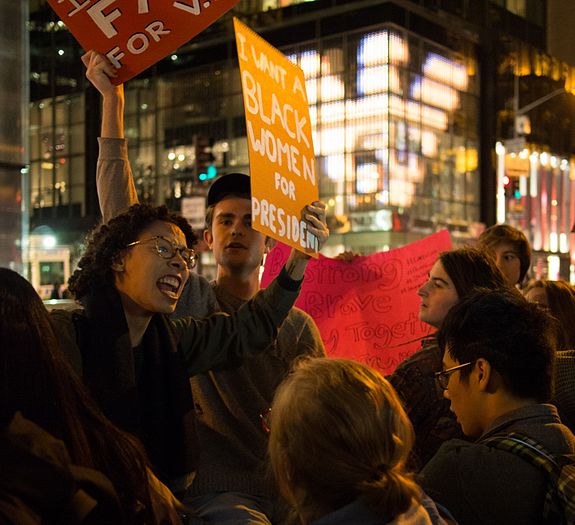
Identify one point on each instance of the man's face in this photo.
(148, 283)
(463, 398)
(236, 246)
(507, 260)
(438, 295)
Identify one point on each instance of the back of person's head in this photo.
(106, 242)
(560, 299)
(470, 268)
(36, 380)
(515, 336)
(339, 434)
(503, 233)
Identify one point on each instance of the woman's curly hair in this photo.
(106, 241)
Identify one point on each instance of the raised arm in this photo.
(114, 180)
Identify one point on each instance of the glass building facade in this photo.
(395, 121)
(396, 91)
(13, 129)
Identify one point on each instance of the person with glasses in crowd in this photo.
(230, 484)
(338, 446)
(452, 278)
(133, 358)
(498, 356)
(559, 298)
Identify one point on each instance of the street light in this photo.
(522, 124)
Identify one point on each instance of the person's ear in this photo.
(484, 374)
(208, 237)
(118, 264)
(269, 244)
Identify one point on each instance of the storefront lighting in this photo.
(332, 88)
(429, 144)
(524, 153)
(553, 263)
(171, 156)
(563, 243)
(382, 48)
(48, 242)
(544, 159)
(311, 90)
(564, 164)
(435, 93)
(335, 167)
(553, 242)
(310, 63)
(553, 161)
(446, 70)
(378, 79)
(523, 186)
(181, 157)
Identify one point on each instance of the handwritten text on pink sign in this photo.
(367, 309)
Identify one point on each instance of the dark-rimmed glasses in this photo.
(167, 249)
(442, 377)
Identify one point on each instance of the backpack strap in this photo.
(560, 492)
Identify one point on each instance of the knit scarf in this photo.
(156, 406)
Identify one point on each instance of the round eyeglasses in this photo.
(442, 377)
(167, 249)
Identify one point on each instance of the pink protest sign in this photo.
(367, 309)
(134, 34)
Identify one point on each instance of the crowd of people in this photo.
(163, 398)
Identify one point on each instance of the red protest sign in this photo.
(367, 309)
(134, 34)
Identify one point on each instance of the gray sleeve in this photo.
(114, 180)
(223, 340)
(198, 298)
(309, 341)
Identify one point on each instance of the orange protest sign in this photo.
(282, 161)
(367, 309)
(134, 34)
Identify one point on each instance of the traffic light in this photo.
(511, 187)
(204, 163)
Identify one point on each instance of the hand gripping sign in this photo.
(367, 309)
(134, 34)
(282, 161)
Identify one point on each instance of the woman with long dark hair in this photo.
(453, 277)
(38, 385)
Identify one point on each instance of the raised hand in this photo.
(99, 71)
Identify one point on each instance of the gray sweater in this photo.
(229, 403)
